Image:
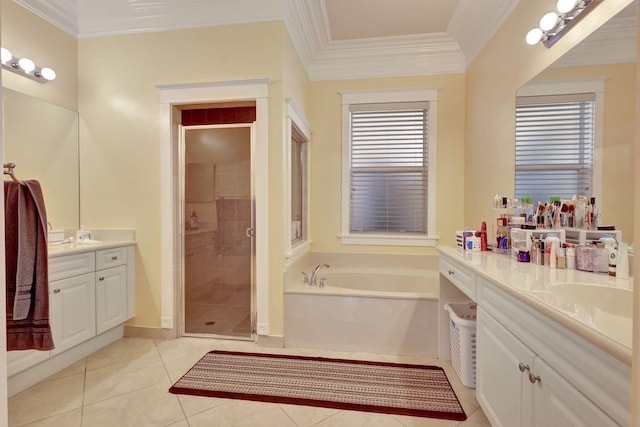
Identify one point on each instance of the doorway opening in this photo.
(217, 208)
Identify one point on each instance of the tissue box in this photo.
(54, 236)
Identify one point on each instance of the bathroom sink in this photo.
(608, 308)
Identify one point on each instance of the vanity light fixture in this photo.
(554, 25)
(25, 67)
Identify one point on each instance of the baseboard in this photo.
(149, 333)
(270, 341)
(56, 363)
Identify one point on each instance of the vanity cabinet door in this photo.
(502, 383)
(73, 312)
(557, 403)
(111, 297)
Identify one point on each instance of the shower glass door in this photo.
(218, 229)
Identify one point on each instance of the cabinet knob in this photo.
(451, 272)
(523, 367)
(101, 279)
(533, 378)
(56, 291)
(114, 258)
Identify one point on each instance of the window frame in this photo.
(576, 87)
(296, 118)
(424, 95)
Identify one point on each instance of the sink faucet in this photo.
(314, 275)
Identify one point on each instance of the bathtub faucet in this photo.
(314, 275)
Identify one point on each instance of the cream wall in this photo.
(27, 35)
(618, 138)
(120, 134)
(326, 185)
(504, 65)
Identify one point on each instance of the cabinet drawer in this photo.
(71, 265)
(111, 257)
(461, 277)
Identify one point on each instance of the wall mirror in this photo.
(42, 140)
(606, 58)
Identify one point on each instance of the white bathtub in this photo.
(366, 309)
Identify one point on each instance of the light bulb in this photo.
(534, 36)
(549, 21)
(5, 55)
(47, 73)
(27, 65)
(565, 6)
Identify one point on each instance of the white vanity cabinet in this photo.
(111, 288)
(91, 296)
(72, 311)
(515, 387)
(535, 365)
(533, 372)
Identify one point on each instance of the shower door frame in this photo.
(250, 232)
(173, 98)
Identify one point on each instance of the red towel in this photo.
(27, 281)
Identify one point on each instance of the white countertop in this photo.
(56, 250)
(537, 286)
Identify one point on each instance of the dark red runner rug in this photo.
(389, 388)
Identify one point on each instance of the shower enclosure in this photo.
(218, 255)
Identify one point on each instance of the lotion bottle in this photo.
(552, 255)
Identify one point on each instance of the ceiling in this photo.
(335, 39)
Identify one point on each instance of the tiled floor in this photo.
(219, 309)
(126, 384)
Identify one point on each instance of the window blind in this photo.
(388, 168)
(554, 146)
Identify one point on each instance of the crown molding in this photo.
(61, 13)
(325, 59)
(306, 22)
(387, 57)
(139, 16)
(485, 17)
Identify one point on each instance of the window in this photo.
(388, 151)
(298, 185)
(297, 217)
(555, 146)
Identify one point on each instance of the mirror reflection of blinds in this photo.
(389, 153)
(554, 146)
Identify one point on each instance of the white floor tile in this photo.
(126, 384)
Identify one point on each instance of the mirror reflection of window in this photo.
(299, 178)
(554, 146)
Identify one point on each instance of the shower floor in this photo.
(218, 309)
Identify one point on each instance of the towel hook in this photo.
(8, 170)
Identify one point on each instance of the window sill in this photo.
(388, 240)
(297, 251)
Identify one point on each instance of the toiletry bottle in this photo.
(571, 257)
(193, 221)
(534, 252)
(483, 237)
(613, 253)
(552, 255)
(562, 258)
(83, 234)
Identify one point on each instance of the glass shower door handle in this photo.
(251, 232)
